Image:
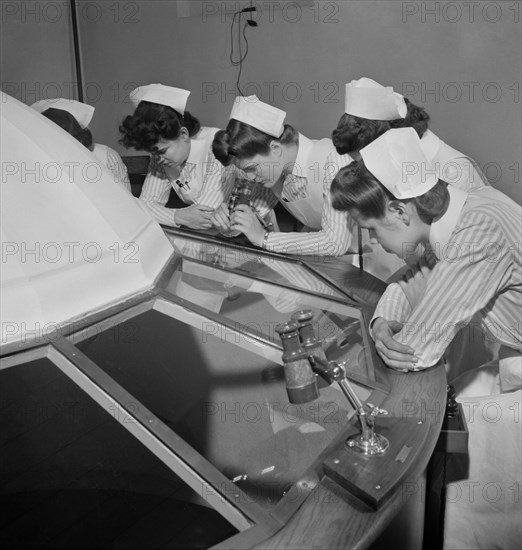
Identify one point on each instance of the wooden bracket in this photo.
(373, 478)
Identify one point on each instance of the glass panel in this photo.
(259, 307)
(73, 477)
(248, 262)
(223, 396)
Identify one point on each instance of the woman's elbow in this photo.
(333, 248)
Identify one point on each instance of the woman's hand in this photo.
(220, 218)
(396, 355)
(195, 216)
(245, 220)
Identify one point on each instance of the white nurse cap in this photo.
(163, 95)
(397, 160)
(366, 98)
(80, 111)
(262, 116)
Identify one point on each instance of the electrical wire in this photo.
(238, 61)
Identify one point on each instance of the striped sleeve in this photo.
(118, 168)
(264, 201)
(463, 283)
(393, 305)
(337, 228)
(156, 192)
(218, 182)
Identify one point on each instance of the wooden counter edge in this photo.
(331, 517)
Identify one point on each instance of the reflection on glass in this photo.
(226, 401)
(257, 307)
(248, 262)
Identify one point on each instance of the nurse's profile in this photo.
(181, 157)
(288, 168)
(473, 239)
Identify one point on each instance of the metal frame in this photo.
(157, 437)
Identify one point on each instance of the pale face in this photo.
(392, 232)
(174, 152)
(263, 169)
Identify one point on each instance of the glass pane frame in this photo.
(248, 250)
(223, 495)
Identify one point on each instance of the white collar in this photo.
(442, 229)
(196, 142)
(304, 148)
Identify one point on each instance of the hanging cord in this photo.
(236, 60)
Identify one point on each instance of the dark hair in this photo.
(353, 132)
(355, 188)
(152, 122)
(67, 122)
(243, 141)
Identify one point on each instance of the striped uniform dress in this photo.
(203, 180)
(313, 171)
(477, 244)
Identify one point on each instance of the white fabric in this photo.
(316, 165)
(366, 98)
(112, 161)
(305, 202)
(74, 241)
(204, 180)
(442, 229)
(452, 166)
(483, 504)
(163, 95)
(82, 112)
(262, 116)
(476, 279)
(397, 160)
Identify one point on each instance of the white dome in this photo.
(73, 241)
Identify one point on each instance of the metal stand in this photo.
(303, 353)
(368, 464)
(367, 442)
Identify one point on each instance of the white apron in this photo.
(483, 500)
(309, 211)
(192, 176)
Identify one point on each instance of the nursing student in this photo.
(474, 238)
(181, 157)
(74, 117)
(371, 109)
(289, 168)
